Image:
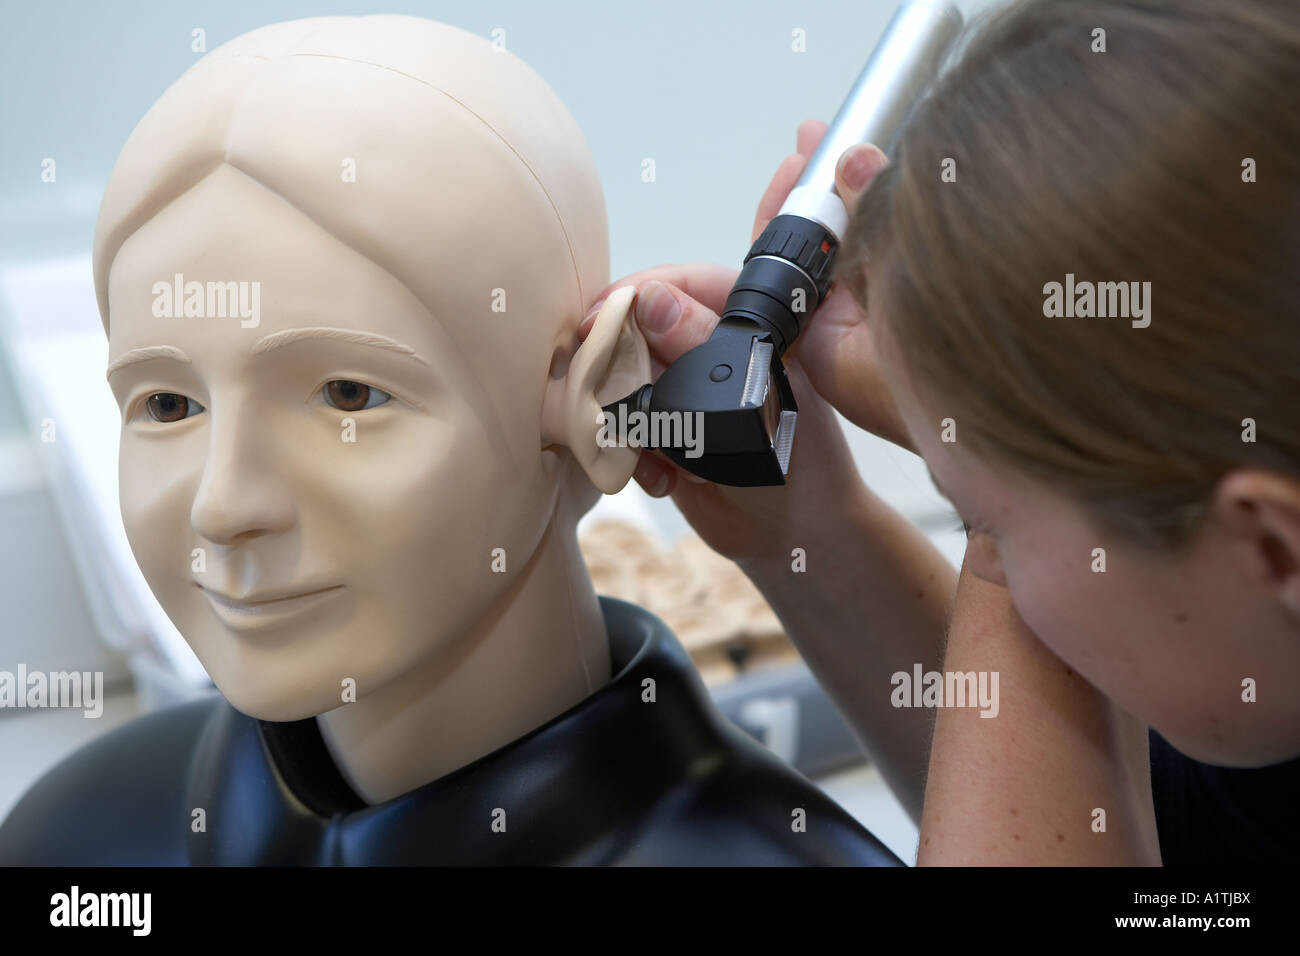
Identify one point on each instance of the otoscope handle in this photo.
(903, 64)
(786, 274)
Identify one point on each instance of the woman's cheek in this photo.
(1056, 613)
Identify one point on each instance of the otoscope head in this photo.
(735, 384)
(741, 408)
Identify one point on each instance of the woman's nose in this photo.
(241, 493)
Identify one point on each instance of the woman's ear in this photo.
(1263, 509)
(612, 362)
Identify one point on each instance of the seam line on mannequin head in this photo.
(209, 62)
(564, 230)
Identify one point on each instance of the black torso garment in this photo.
(613, 780)
(1224, 816)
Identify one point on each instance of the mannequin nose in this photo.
(240, 495)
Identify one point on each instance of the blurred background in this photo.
(712, 92)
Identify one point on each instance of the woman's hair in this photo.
(1164, 151)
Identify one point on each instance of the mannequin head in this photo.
(314, 488)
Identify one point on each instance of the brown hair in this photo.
(1128, 165)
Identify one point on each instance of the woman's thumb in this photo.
(672, 322)
(856, 168)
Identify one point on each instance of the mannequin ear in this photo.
(1263, 509)
(612, 362)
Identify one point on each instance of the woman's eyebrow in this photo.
(354, 336)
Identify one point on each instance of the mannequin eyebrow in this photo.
(355, 336)
(144, 355)
(273, 341)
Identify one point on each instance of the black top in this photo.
(1224, 816)
(615, 779)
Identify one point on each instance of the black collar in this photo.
(615, 754)
(644, 771)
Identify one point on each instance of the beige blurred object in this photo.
(716, 612)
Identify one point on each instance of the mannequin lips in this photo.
(262, 612)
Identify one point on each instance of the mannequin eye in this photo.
(171, 407)
(352, 396)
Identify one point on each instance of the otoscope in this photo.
(735, 382)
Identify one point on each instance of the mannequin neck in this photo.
(545, 652)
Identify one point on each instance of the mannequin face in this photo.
(291, 549)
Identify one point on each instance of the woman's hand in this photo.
(677, 309)
(835, 347)
(749, 525)
(877, 595)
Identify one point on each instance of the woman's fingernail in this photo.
(656, 308)
(591, 316)
(860, 164)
